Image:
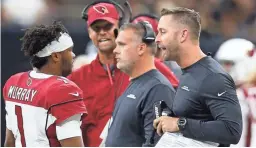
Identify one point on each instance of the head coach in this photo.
(206, 107)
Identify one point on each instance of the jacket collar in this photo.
(98, 67)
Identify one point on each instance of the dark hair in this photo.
(38, 37)
(187, 17)
(140, 31)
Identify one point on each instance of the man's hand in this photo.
(166, 124)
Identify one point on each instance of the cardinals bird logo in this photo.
(29, 82)
(101, 9)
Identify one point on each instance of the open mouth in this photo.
(103, 40)
(117, 59)
(163, 52)
(162, 48)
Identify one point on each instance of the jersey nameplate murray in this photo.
(23, 94)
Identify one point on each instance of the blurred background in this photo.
(221, 20)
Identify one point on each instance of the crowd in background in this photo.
(221, 20)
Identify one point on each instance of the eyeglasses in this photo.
(106, 27)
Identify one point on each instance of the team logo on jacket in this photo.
(29, 81)
(101, 9)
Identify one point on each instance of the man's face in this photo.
(167, 38)
(102, 35)
(126, 51)
(67, 58)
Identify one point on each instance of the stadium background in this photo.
(221, 20)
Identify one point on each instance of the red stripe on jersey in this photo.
(18, 113)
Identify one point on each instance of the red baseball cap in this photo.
(152, 21)
(102, 11)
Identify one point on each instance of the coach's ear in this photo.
(141, 49)
(183, 35)
(56, 57)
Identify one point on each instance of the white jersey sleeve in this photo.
(69, 128)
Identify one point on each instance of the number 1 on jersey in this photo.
(18, 113)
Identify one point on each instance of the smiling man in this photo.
(100, 80)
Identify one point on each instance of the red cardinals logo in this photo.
(101, 9)
(29, 81)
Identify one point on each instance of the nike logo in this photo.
(75, 94)
(132, 96)
(220, 94)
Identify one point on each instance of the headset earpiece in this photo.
(149, 35)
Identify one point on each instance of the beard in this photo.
(125, 67)
(66, 68)
(170, 53)
(107, 48)
(171, 49)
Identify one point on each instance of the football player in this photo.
(44, 108)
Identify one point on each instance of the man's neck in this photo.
(49, 70)
(142, 67)
(190, 56)
(106, 58)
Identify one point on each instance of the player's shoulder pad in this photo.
(13, 78)
(16, 76)
(63, 90)
(59, 80)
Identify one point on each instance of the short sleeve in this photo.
(69, 128)
(65, 101)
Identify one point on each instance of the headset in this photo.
(123, 17)
(152, 16)
(149, 35)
